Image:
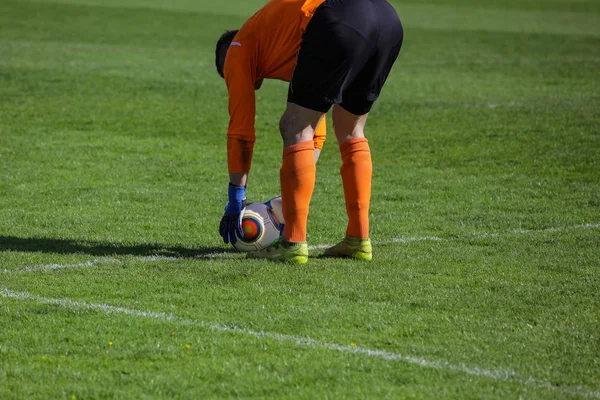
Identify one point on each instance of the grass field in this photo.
(485, 281)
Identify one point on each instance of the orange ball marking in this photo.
(251, 229)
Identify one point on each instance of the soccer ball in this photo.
(261, 228)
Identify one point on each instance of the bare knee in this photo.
(288, 126)
(348, 126)
(297, 124)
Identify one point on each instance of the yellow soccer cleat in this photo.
(283, 251)
(350, 247)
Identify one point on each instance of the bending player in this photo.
(334, 53)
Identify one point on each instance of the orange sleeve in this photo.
(241, 135)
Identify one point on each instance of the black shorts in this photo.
(346, 55)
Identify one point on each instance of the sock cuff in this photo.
(353, 145)
(308, 145)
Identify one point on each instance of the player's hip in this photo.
(375, 20)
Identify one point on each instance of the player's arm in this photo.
(241, 133)
(240, 138)
(242, 110)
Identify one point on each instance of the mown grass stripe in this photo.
(499, 375)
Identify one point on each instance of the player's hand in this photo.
(231, 223)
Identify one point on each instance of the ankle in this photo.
(286, 244)
(355, 241)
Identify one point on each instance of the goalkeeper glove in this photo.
(230, 227)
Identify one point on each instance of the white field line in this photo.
(400, 239)
(105, 261)
(498, 375)
(100, 261)
(485, 235)
(50, 267)
(488, 235)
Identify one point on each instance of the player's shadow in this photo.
(73, 246)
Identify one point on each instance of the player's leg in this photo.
(298, 170)
(349, 119)
(356, 172)
(297, 178)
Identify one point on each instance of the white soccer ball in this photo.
(260, 226)
(277, 208)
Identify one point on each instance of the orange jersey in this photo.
(265, 47)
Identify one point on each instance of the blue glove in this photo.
(231, 221)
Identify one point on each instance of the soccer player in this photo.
(334, 53)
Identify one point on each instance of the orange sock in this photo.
(356, 171)
(297, 176)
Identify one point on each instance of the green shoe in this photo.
(283, 251)
(350, 247)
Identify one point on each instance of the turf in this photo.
(485, 212)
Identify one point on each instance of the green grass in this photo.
(485, 212)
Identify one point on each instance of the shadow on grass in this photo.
(72, 246)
